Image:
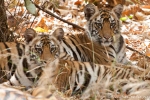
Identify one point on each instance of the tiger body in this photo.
(83, 49)
(44, 47)
(27, 72)
(11, 93)
(10, 52)
(79, 76)
(104, 27)
(72, 47)
(69, 75)
(64, 73)
(121, 89)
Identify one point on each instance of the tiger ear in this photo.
(29, 35)
(59, 33)
(118, 10)
(89, 11)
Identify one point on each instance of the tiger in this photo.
(44, 46)
(11, 52)
(104, 27)
(67, 75)
(117, 90)
(72, 47)
(78, 76)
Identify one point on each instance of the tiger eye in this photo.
(98, 25)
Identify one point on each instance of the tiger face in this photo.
(103, 25)
(46, 46)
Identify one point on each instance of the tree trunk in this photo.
(5, 34)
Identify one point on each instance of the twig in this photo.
(50, 13)
(137, 52)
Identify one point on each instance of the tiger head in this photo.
(44, 46)
(103, 25)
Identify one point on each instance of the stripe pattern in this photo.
(44, 47)
(104, 27)
(79, 76)
(10, 52)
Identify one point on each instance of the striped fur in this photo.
(27, 73)
(83, 49)
(44, 47)
(104, 27)
(67, 75)
(121, 89)
(11, 93)
(77, 47)
(54, 46)
(79, 76)
(10, 52)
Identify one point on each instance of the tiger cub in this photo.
(68, 75)
(11, 52)
(42, 47)
(79, 76)
(104, 27)
(73, 47)
(104, 90)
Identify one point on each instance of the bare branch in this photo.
(137, 52)
(50, 13)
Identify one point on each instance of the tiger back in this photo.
(104, 27)
(10, 52)
(77, 76)
(43, 47)
(72, 47)
(81, 48)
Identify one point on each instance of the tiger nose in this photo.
(107, 37)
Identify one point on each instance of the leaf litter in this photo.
(135, 29)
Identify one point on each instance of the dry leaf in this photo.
(147, 53)
(62, 12)
(13, 3)
(39, 29)
(127, 41)
(42, 25)
(131, 9)
(78, 3)
(134, 57)
(146, 6)
(140, 16)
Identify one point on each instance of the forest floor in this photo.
(135, 29)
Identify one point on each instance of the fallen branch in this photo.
(50, 13)
(137, 52)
